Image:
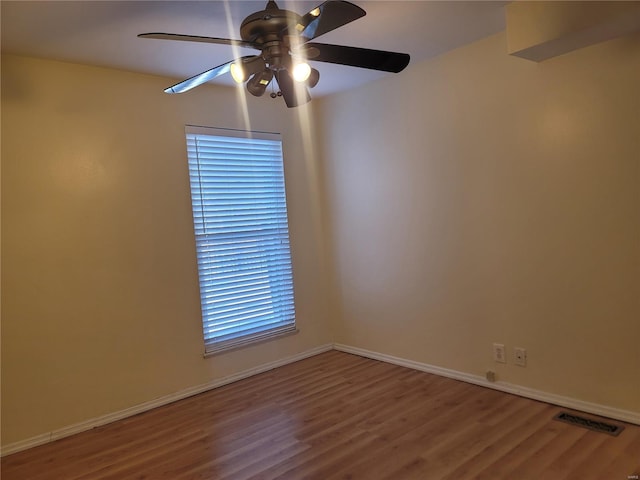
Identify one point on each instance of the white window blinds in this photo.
(242, 236)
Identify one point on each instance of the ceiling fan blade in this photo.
(326, 17)
(356, 57)
(201, 78)
(196, 38)
(293, 94)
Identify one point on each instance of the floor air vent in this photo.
(589, 423)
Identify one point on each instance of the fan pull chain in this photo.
(273, 93)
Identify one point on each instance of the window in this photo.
(242, 236)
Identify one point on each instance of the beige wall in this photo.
(482, 198)
(472, 199)
(99, 283)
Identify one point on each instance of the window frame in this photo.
(268, 241)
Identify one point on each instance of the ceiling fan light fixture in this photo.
(301, 71)
(237, 72)
(313, 79)
(257, 84)
(242, 69)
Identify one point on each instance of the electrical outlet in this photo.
(520, 356)
(499, 353)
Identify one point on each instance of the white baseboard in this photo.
(158, 402)
(593, 408)
(596, 409)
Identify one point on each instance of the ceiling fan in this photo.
(284, 40)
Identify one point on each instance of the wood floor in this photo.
(339, 416)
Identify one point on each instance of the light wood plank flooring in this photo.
(338, 416)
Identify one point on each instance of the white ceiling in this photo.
(103, 33)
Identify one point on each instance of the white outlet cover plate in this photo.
(520, 355)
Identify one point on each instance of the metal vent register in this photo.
(591, 424)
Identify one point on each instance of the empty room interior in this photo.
(458, 251)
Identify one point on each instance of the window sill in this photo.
(238, 344)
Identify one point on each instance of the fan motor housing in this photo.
(267, 25)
